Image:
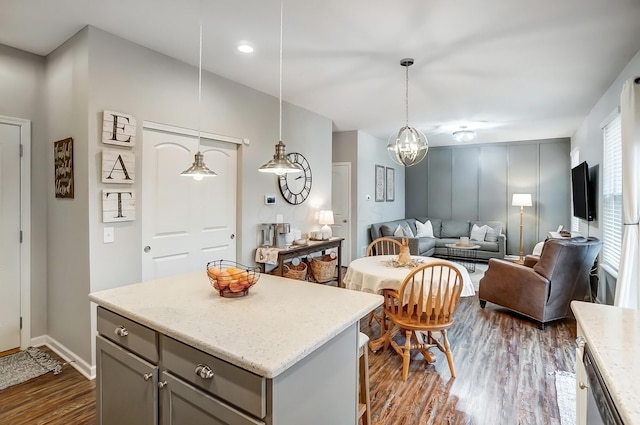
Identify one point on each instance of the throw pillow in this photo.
(403, 231)
(478, 233)
(493, 233)
(424, 230)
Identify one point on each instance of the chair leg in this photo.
(483, 303)
(447, 351)
(406, 355)
(365, 398)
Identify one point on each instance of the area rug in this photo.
(566, 396)
(478, 274)
(25, 365)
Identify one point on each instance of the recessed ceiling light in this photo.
(245, 48)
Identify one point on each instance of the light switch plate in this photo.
(109, 236)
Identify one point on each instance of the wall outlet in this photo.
(109, 234)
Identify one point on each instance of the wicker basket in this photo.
(295, 272)
(323, 269)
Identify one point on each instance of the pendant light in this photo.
(198, 169)
(280, 164)
(409, 145)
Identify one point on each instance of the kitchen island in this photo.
(284, 354)
(612, 337)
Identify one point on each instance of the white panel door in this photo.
(186, 223)
(341, 204)
(9, 236)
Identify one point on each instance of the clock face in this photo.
(296, 187)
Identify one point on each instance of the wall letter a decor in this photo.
(118, 166)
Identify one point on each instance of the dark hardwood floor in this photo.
(504, 364)
(64, 399)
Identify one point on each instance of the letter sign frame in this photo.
(118, 166)
(118, 129)
(118, 205)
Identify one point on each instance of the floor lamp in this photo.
(521, 200)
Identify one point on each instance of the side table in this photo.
(464, 255)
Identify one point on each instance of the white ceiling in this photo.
(510, 69)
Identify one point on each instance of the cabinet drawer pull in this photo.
(204, 371)
(582, 386)
(147, 376)
(162, 384)
(121, 331)
(580, 342)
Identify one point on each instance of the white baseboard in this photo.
(67, 355)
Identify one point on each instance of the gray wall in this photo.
(477, 182)
(68, 250)
(588, 139)
(22, 85)
(369, 152)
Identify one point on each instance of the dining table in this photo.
(375, 273)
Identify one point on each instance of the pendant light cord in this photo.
(280, 93)
(407, 94)
(200, 78)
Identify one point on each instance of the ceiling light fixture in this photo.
(409, 145)
(198, 169)
(464, 135)
(245, 48)
(280, 164)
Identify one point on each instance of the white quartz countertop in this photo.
(277, 324)
(613, 336)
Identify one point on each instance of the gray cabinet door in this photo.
(184, 404)
(126, 386)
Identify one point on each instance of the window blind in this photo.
(612, 193)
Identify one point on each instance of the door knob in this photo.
(147, 248)
(232, 236)
(344, 221)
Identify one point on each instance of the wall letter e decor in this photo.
(63, 167)
(118, 166)
(118, 129)
(118, 205)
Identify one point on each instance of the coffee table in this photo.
(464, 255)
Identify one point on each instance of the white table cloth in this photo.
(373, 274)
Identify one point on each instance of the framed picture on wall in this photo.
(380, 183)
(391, 184)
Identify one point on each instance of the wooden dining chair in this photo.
(425, 304)
(384, 246)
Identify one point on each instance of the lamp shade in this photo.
(325, 217)
(521, 200)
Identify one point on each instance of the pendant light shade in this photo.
(198, 169)
(280, 164)
(409, 145)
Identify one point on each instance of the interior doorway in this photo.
(15, 224)
(341, 204)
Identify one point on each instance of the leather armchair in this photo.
(543, 289)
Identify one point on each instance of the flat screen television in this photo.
(582, 193)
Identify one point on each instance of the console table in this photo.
(311, 247)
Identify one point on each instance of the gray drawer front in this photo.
(231, 383)
(183, 404)
(140, 339)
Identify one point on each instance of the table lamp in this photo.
(521, 200)
(325, 217)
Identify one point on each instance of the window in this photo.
(575, 160)
(612, 193)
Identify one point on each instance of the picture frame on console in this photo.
(380, 183)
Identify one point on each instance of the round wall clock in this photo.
(295, 187)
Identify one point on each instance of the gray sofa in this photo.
(444, 232)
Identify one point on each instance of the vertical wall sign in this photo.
(118, 129)
(380, 183)
(118, 166)
(63, 167)
(391, 184)
(118, 205)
